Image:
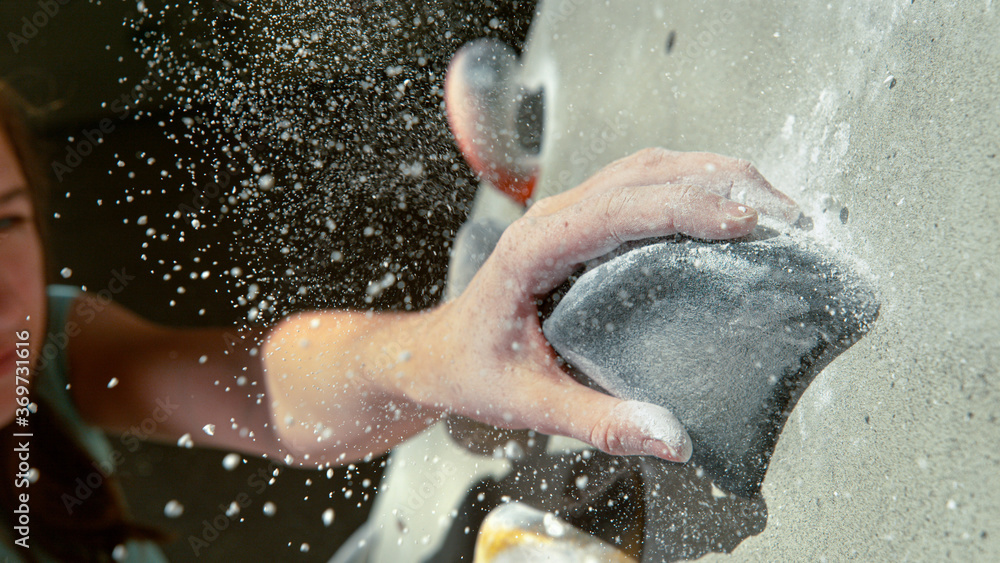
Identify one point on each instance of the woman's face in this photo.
(22, 280)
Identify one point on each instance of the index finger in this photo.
(728, 177)
(539, 252)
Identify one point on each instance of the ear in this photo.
(496, 122)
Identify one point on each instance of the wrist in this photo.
(405, 359)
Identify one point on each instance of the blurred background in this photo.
(244, 160)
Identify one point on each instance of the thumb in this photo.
(637, 428)
(612, 425)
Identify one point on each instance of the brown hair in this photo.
(102, 521)
(14, 114)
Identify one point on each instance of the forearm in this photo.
(341, 384)
(166, 383)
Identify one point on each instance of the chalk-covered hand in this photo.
(486, 357)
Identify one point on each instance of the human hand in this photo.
(495, 365)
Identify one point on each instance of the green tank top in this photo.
(51, 384)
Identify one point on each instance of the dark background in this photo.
(88, 55)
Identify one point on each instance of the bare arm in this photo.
(334, 386)
(352, 385)
(166, 382)
(324, 370)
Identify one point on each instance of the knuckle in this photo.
(543, 206)
(604, 437)
(606, 206)
(746, 168)
(652, 157)
(648, 158)
(612, 205)
(687, 193)
(514, 240)
(511, 237)
(613, 208)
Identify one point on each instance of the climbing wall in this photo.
(883, 122)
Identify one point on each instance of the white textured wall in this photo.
(892, 110)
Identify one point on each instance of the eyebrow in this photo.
(13, 194)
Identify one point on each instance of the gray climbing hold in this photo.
(725, 335)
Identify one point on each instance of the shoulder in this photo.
(100, 321)
(105, 342)
(89, 323)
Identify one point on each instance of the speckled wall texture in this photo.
(883, 121)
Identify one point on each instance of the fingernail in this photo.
(663, 434)
(665, 451)
(737, 210)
